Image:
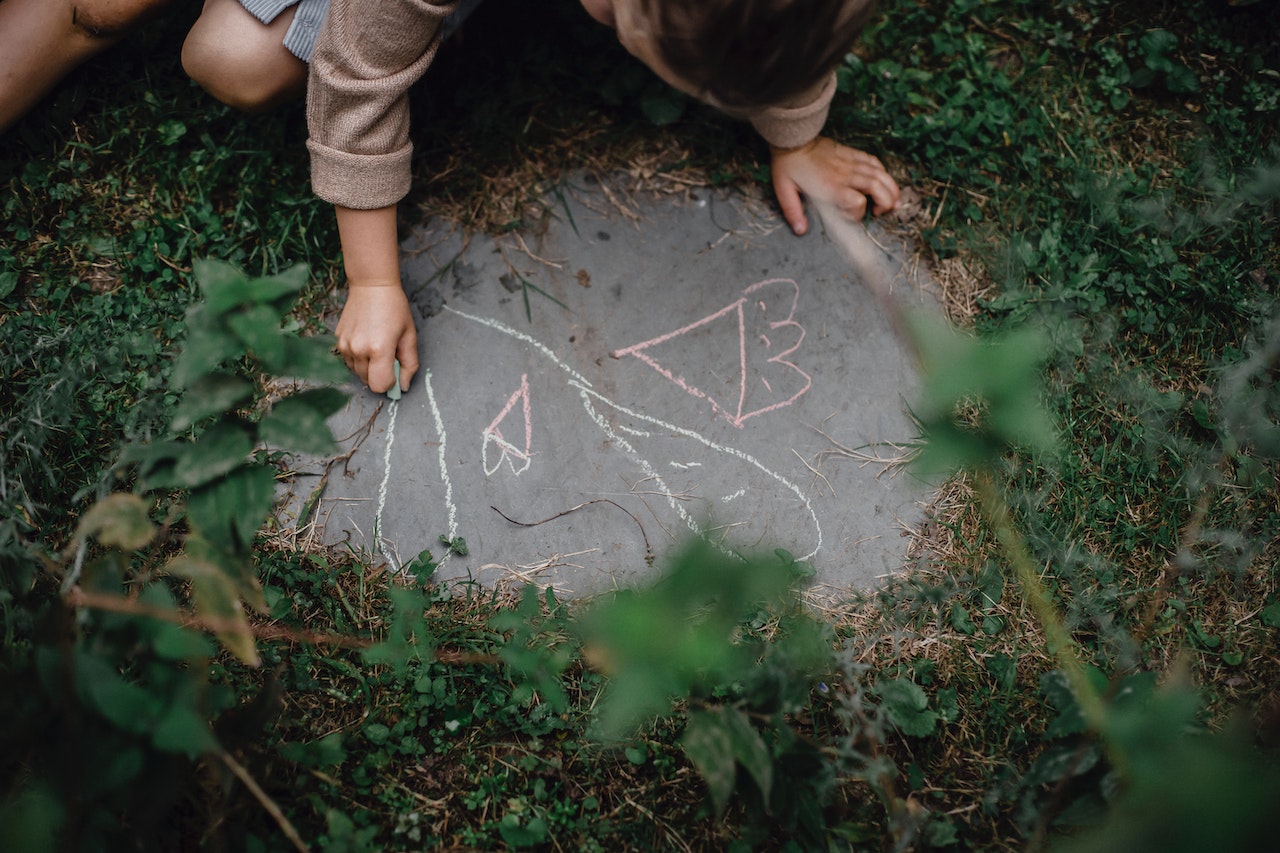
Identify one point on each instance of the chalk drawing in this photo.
(506, 450)
(672, 499)
(590, 401)
(451, 508)
(379, 542)
(748, 358)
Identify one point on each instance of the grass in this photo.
(1070, 177)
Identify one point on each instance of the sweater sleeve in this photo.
(792, 124)
(368, 54)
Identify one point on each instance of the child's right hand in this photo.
(375, 330)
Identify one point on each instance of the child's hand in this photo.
(825, 170)
(374, 331)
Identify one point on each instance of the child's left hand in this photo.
(825, 170)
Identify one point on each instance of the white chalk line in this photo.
(586, 389)
(732, 451)
(444, 469)
(498, 325)
(378, 542)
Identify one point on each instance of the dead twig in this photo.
(648, 551)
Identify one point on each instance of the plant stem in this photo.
(1037, 596)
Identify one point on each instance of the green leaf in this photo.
(225, 287)
(312, 359)
(207, 346)
(118, 521)
(212, 394)
(906, 706)
(1271, 614)
(259, 329)
(325, 752)
(176, 643)
(217, 599)
(709, 746)
(293, 424)
(231, 510)
(8, 283)
(124, 704)
(749, 749)
(218, 451)
(299, 423)
(522, 835)
(182, 730)
(1182, 80)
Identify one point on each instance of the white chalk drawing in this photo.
(658, 448)
(767, 306)
(624, 436)
(379, 541)
(518, 459)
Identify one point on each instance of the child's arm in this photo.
(366, 58)
(376, 327)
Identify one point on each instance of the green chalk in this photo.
(394, 392)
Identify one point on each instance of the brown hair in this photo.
(752, 53)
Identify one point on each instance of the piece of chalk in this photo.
(393, 393)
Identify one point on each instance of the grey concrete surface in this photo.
(635, 372)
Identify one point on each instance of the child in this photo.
(769, 61)
(251, 54)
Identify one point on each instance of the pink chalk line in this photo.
(738, 417)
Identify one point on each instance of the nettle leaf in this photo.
(300, 423)
(231, 510)
(709, 745)
(217, 599)
(176, 643)
(155, 461)
(225, 287)
(222, 285)
(218, 451)
(259, 329)
(325, 752)
(209, 395)
(906, 706)
(118, 521)
(182, 730)
(406, 638)
(1000, 375)
(126, 705)
(749, 749)
(207, 346)
(312, 359)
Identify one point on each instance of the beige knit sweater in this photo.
(370, 52)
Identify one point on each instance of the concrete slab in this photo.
(638, 371)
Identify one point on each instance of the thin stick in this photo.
(265, 801)
(648, 551)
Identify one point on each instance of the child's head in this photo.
(744, 53)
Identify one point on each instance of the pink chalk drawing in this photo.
(519, 460)
(757, 353)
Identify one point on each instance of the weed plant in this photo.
(1103, 174)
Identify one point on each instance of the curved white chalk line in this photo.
(498, 325)
(650, 472)
(444, 470)
(378, 542)
(586, 389)
(733, 451)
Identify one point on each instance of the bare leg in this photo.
(42, 40)
(241, 61)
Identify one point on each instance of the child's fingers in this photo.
(792, 208)
(407, 353)
(381, 373)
